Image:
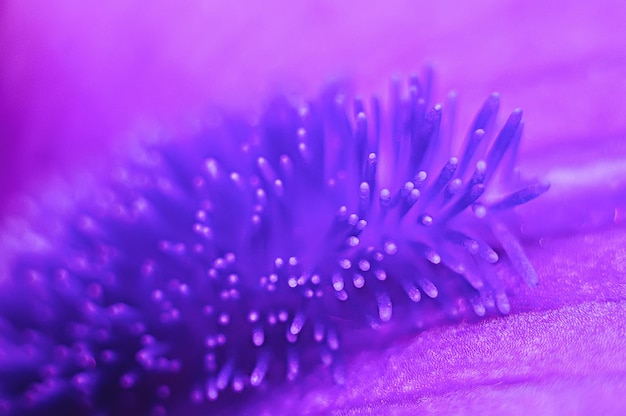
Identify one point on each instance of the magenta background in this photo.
(76, 75)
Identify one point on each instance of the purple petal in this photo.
(77, 77)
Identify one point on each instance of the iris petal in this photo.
(68, 86)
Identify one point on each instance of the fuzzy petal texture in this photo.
(561, 351)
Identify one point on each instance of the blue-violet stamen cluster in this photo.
(257, 251)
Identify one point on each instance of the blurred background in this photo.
(76, 76)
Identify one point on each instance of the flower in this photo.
(77, 76)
